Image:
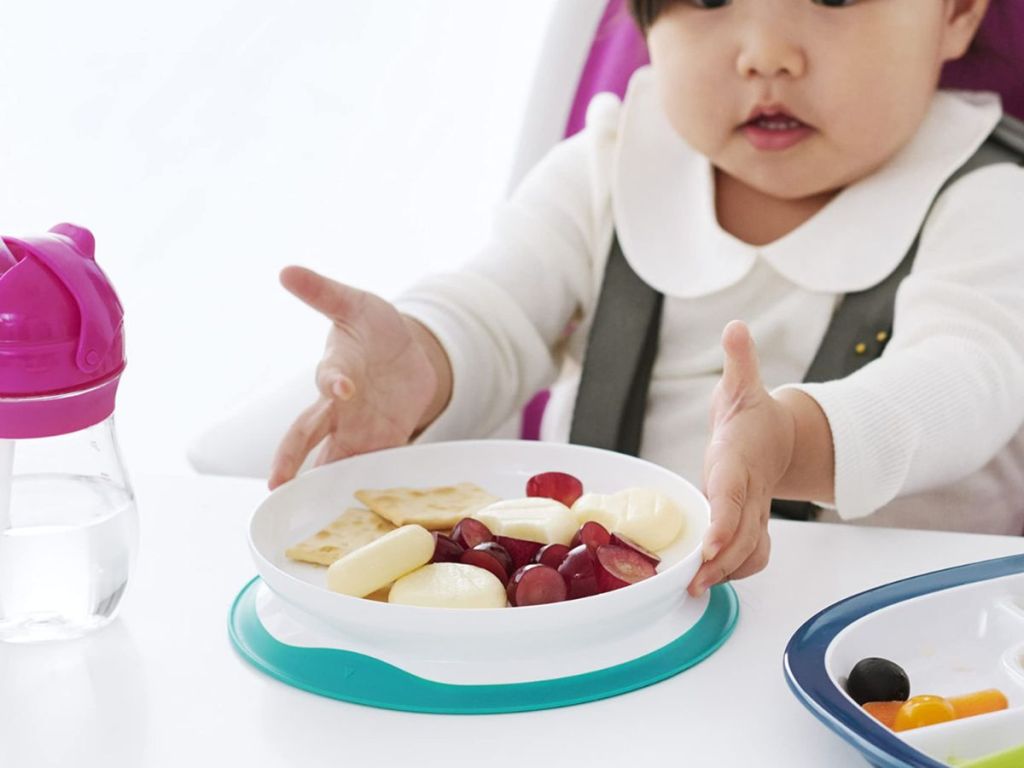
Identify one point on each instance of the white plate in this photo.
(306, 504)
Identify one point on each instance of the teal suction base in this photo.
(361, 679)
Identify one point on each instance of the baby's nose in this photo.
(766, 50)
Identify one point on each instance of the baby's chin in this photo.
(787, 184)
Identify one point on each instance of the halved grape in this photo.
(619, 567)
(522, 551)
(555, 485)
(593, 534)
(623, 541)
(468, 532)
(491, 557)
(445, 550)
(535, 584)
(579, 573)
(551, 555)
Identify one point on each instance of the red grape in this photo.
(593, 534)
(619, 567)
(579, 573)
(619, 540)
(445, 550)
(522, 551)
(491, 557)
(535, 584)
(551, 554)
(468, 532)
(555, 485)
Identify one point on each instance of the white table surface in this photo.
(162, 685)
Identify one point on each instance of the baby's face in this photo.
(858, 78)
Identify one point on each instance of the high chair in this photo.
(590, 46)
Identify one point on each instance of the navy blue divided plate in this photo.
(954, 631)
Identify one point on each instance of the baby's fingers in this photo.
(727, 481)
(734, 554)
(329, 297)
(302, 436)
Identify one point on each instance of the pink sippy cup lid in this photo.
(61, 335)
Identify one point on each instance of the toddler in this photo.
(775, 157)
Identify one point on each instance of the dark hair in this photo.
(645, 12)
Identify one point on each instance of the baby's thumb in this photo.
(740, 371)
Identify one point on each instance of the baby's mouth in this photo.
(779, 122)
(772, 128)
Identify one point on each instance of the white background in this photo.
(208, 143)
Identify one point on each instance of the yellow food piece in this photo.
(531, 519)
(918, 711)
(449, 585)
(979, 702)
(648, 517)
(382, 561)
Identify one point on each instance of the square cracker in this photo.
(434, 508)
(349, 532)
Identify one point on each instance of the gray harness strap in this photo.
(623, 338)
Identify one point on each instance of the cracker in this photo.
(435, 509)
(353, 529)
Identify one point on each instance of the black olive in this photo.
(875, 679)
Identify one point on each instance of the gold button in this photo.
(861, 348)
(881, 336)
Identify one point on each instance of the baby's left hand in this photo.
(752, 438)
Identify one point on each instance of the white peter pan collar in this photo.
(662, 200)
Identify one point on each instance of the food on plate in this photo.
(593, 534)
(354, 528)
(490, 556)
(646, 516)
(876, 679)
(928, 710)
(436, 509)
(579, 572)
(536, 519)
(468, 532)
(381, 562)
(883, 711)
(520, 550)
(449, 585)
(618, 567)
(551, 555)
(919, 711)
(536, 584)
(622, 541)
(459, 546)
(555, 485)
(979, 702)
(446, 550)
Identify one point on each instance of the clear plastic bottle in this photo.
(68, 522)
(70, 535)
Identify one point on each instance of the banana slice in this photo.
(377, 564)
(648, 517)
(449, 585)
(533, 519)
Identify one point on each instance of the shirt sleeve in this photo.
(948, 392)
(502, 316)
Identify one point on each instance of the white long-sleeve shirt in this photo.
(926, 435)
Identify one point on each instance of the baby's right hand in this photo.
(377, 382)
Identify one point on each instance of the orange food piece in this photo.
(918, 711)
(883, 711)
(979, 702)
